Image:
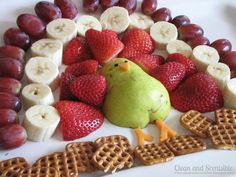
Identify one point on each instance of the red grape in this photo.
(10, 67)
(31, 25)
(162, 14)
(229, 58)
(222, 45)
(47, 11)
(12, 136)
(9, 101)
(190, 31)
(180, 20)
(16, 37)
(12, 52)
(90, 5)
(7, 116)
(68, 8)
(108, 3)
(10, 85)
(198, 41)
(129, 5)
(149, 6)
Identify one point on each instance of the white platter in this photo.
(217, 17)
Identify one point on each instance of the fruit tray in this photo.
(217, 18)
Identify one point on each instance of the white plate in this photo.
(217, 17)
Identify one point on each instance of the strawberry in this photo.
(198, 92)
(188, 63)
(83, 68)
(90, 89)
(78, 119)
(147, 62)
(170, 74)
(76, 51)
(137, 42)
(65, 81)
(105, 45)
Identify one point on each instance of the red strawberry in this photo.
(65, 81)
(137, 42)
(83, 68)
(105, 45)
(170, 74)
(188, 63)
(148, 62)
(89, 88)
(76, 51)
(78, 119)
(199, 92)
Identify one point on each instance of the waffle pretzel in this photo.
(110, 157)
(150, 154)
(39, 172)
(225, 116)
(185, 144)
(196, 123)
(12, 171)
(64, 162)
(84, 152)
(223, 136)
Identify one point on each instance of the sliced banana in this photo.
(230, 94)
(139, 20)
(36, 94)
(204, 55)
(220, 72)
(62, 29)
(42, 70)
(86, 22)
(178, 46)
(163, 33)
(40, 122)
(115, 18)
(50, 48)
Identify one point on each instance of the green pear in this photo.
(133, 98)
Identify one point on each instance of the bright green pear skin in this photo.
(133, 97)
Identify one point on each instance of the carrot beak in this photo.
(124, 66)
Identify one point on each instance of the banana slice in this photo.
(62, 29)
(87, 22)
(139, 20)
(204, 55)
(40, 122)
(230, 94)
(50, 48)
(115, 18)
(42, 70)
(178, 46)
(163, 33)
(36, 94)
(220, 72)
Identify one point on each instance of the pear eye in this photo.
(126, 61)
(116, 64)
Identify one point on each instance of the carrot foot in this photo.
(165, 131)
(142, 137)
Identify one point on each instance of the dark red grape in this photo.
(190, 31)
(9, 101)
(229, 58)
(129, 5)
(68, 8)
(10, 85)
(47, 11)
(108, 3)
(12, 52)
(149, 6)
(12, 136)
(162, 14)
(7, 116)
(90, 5)
(10, 67)
(180, 20)
(16, 37)
(198, 41)
(222, 45)
(32, 25)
